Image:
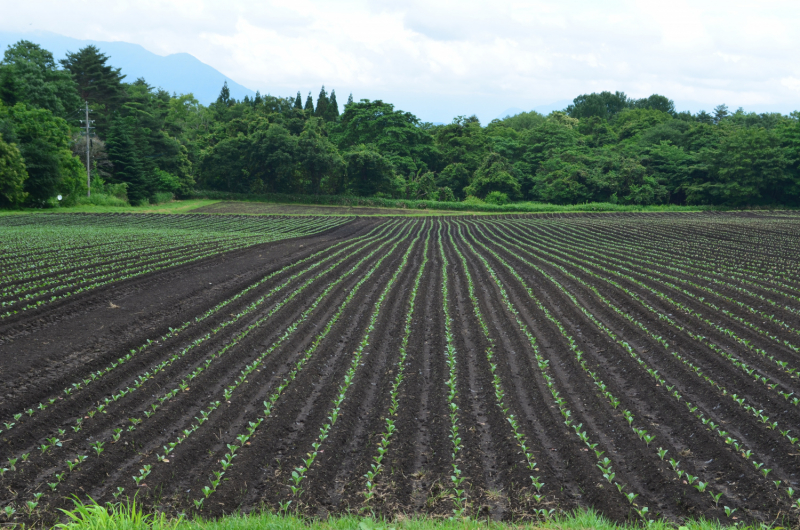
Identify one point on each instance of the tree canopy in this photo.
(604, 146)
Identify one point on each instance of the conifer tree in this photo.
(322, 103)
(349, 100)
(98, 83)
(309, 104)
(332, 112)
(298, 102)
(126, 158)
(224, 97)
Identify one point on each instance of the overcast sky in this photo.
(441, 58)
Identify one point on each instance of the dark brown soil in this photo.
(45, 351)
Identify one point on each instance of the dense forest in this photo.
(147, 144)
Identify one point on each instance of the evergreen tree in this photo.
(98, 83)
(704, 117)
(349, 101)
(298, 102)
(224, 98)
(322, 103)
(309, 104)
(332, 112)
(720, 113)
(126, 158)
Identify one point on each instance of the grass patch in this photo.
(411, 205)
(168, 207)
(131, 516)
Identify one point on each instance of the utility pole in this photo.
(88, 156)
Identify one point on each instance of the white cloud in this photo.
(792, 83)
(439, 58)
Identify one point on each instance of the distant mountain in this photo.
(179, 72)
(558, 105)
(512, 111)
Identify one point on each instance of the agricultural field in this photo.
(45, 258)
(643, 364)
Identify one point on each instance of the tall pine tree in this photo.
(224, 98)
(98, 83)
(322, 103)
(332, 112)
(126, 157)
(349, 101)
(298, 102)
(309, 104)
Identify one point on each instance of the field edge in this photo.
(130, 516)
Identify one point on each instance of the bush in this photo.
(101, 199)
(472, 200)
(160, 197)
(496, 197)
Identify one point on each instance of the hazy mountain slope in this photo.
(179, 72)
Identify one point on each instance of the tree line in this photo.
(604, 147)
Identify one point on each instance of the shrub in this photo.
(161, 197)
(496, 197)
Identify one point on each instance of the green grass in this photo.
(92, 516)
(411, 205)
(169, 207)
(412, 208)
(350, 206)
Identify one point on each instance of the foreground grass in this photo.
(131, 517)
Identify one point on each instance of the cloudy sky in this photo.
(442, 58)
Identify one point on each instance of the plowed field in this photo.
(645, 365)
